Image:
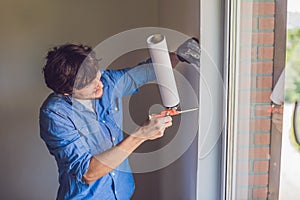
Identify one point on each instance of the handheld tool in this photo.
(170, 112)
(275, 108)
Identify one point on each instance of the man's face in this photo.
(94, 90)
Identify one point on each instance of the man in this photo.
(81, 123)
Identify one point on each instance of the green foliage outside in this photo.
(294, 131)
(292, 79)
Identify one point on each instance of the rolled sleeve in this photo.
(77, 159)
(65, 143)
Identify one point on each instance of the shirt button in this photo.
(103, 121)
(113, 174)
(116, 108)
(113, 138)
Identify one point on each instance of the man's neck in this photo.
(88, 103)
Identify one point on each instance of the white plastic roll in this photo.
(163, 70)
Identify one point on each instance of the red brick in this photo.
(243, 154)
(243, 126)
(246, 8)
(267, 23)
(263, 8)
(252, 153)
(265, 52)
(264, 82)
(256, 68)
(261, 166)
(262, 111)
(244, 111)
(263, 152)
(257, 8)
(246, 38)
(261, 96)
(249, 23)
(245, 67)
(262, 138)
(247, 53)
(247, 82)
(260, 179)
(253, 96)
(245, 96)
(262, 68)
(260, 193)
(262, 38)
(243, 193)
(243, 166)
(244, 139)
(260, 125)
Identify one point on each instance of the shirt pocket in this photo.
(115, 112)
(115, 106)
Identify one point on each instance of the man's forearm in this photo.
(103, 163)
(116, 155)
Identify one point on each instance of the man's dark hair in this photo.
(70, 66)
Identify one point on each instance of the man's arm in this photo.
(105, 162)
(127, 81)
(64, 142)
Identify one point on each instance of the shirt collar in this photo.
(70, 100)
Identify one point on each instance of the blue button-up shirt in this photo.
(73, 134)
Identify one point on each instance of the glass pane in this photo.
(254, 72)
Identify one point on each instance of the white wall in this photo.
(28, 30)
(183, 16)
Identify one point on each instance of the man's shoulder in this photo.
(56, 102)
(112, 74)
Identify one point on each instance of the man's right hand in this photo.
(105, 162)
(153, 128)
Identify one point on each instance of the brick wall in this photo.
(255, 86)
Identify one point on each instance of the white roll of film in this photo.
(163, 70)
